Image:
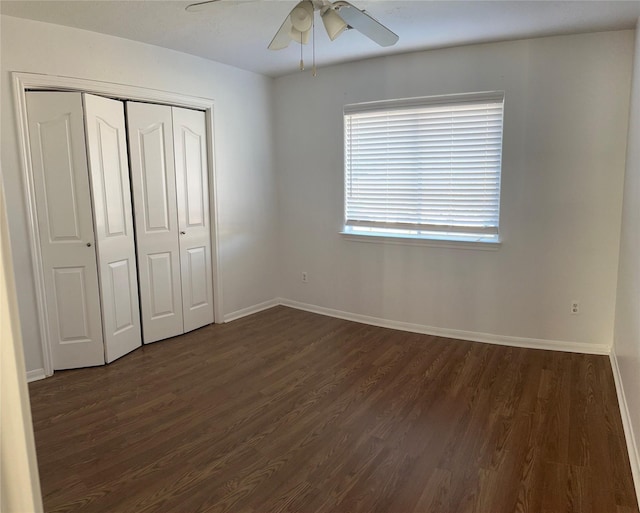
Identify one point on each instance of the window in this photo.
(425, 167)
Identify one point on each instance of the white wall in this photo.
(566, 112)
(243, 123)
(627, 326)
(19, 483)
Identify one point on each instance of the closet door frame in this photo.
(23, 82)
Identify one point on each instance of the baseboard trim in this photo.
(488, 338)
(632, 447)
(238, 314)
(35, 375)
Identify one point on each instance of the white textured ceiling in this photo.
(238, 32)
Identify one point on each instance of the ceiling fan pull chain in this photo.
(301, 61)
(313, 44)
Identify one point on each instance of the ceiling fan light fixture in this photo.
(302, 17)
(300, 37)
(333, 23)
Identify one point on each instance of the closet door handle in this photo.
(88, 244)
(183, 233)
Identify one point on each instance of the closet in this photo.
(101, 273)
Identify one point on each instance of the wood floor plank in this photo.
(289, 411)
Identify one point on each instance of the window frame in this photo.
(454, 238)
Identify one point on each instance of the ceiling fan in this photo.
(336, 16)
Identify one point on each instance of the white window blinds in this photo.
(425, 165)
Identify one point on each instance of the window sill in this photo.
(444, 241)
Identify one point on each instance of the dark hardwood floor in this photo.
(291, 411)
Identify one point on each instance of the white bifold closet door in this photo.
(171, 199)
(111, 192)
(192, 189)
(65, 228)
(85, 225)
(154, 194)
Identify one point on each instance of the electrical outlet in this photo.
(305, 277)
(575, 307)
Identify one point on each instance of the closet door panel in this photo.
(192, 188)
(195, 178)
(196, 265)
(154, 195)
(109, 172)
(61, 182)
(162, 290)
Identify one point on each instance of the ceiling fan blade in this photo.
(365, 24)
(283, 36)
(203, 5)
(200, 6)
